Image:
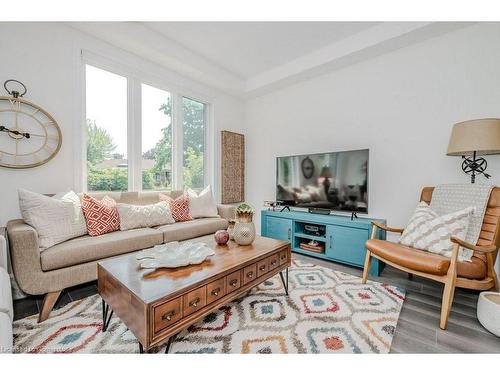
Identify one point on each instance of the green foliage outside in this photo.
(100, 144)
(100, 147)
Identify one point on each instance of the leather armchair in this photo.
(478, 274)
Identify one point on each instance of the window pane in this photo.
(106, 105)
(193, 127)
(156, 139)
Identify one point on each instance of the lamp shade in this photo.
(481, 136)
(326, 172)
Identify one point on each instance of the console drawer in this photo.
(262, 267)
(167, 314)
(194, 300)
(273, 262)
(249, 273)
(283, 257)
(233, 281)
(215, 290)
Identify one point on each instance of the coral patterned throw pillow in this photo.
(179, 207)
(101, 216)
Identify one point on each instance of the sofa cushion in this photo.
(144, 216)
(56, 219)
(5, 294)
(86, 249)
(190, 229)
(101, 215)
(202, 204)
(6, 338)
(179, 207)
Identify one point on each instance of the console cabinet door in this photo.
(346, 244)
(279, 228)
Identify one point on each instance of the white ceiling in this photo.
(252, 58)
(250, 48)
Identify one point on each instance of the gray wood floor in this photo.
(418, 326)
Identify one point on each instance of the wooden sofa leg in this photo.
(49, 301)
(448, 293)
(366, 269)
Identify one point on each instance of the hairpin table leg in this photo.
(105, 318)
(285, 284)
(169, 342)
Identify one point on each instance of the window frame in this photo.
(136, 77)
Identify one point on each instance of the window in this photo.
(140, 136)
(156, 139)
(193, 129)
(106, 130)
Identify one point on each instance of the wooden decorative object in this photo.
(233, 167)
(29, 135)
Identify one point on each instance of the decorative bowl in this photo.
(174, 254)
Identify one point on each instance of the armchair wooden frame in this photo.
(488, 244)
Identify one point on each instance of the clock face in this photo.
(29, 136)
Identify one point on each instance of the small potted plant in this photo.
(244, 213)
(244, 229)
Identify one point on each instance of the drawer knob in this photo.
(262, 268)
(233, 282)
(216, 292)
(273, 263)
(194, 302)
(168, 315)
(250, 274)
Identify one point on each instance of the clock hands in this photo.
(14, 132)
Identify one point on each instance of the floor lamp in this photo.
(470, 140)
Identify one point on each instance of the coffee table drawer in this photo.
(194, 300)
(283, 257)
(215, 290)
(249, 273)
(167, 314)
(262, 267)
(274, 261)
(233, 281)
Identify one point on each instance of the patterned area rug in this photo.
(326, 312)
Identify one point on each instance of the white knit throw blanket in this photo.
(453, 197)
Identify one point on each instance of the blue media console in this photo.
(343, 240)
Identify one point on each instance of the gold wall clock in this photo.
(29, 135)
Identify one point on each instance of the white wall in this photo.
(401, 106)
(46, 57)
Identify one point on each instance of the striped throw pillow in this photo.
(428, 231)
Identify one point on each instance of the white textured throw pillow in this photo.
(132, 216)
(202, 204)
(428, 231)
(55, 219)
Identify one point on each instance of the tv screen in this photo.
(335, 180)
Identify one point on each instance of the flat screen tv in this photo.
(337, 181)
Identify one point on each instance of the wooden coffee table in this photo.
(157, 304)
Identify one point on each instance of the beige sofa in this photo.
(74, 262)
(6, 309)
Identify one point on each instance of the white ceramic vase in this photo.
(244, 230)
(244, 233)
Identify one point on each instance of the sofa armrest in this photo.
(24, 253)
(226, 211)
(3, 253)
